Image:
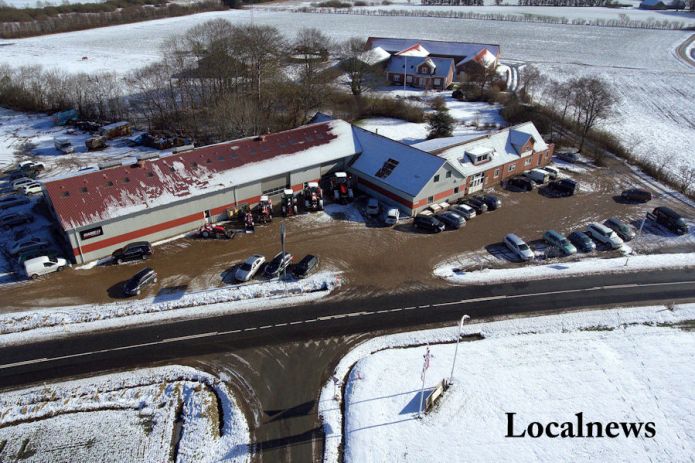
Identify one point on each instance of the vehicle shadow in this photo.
(170, 293)
(501, 252)
(228, 277)
(549, 192)
(116, 291)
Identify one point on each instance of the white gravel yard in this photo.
(125, 417)
(623, 365)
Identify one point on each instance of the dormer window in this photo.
(480, 155)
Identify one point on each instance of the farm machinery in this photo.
(214, 231)
(341, 187)
(289, 203)
(263, 212)
(313, 197)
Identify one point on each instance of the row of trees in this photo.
(581, 3)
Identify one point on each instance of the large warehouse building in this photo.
(155, 199)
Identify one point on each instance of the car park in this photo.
(279, 263)
(34, 268)
(518, 247)
(372, 206)
(636, 195)
(521, 183)
(428, 223)
(27, 244)
(31, 188)
(138, 282)
(493, 202)
(13, 219)
(139, 250)
(451, 220)
(476, 203)
(553, 173)
(19, 183)
(465, 210)
(623, 230)
(582, 241)
(249, 268)
(565, 186)
(571, 156)
(305, 266)
(670, 219)
(559, 241)
(539, 176)
(604, 235)
(392, 216)
(12, 201)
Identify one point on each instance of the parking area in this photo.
(373, 257)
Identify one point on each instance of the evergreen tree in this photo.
(440, 124)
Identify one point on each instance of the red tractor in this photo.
(249, 226)
(341, 186)
(289, 203)
(313, 197)
(263, 212)
(213, 231)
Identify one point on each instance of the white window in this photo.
(497, 173)
(397, 77)
(437, 81)
(527, 162)
(408, 78)
(512, 167)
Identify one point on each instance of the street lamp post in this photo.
(458, 339)
(639, 233)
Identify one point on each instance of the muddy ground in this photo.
(373, 258)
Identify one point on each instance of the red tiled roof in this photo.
(99, 195)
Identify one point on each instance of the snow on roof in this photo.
(115, 192)
(503, 144)
(397, 65)
(484, 57)
(413, 50)
(460, 50)
(410, 172)
(374, 56)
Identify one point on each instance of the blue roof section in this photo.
(397, 65)
(435, 47)
(414, 167)
(320, 117)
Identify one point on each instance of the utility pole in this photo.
(425, 366)
(639, 233)
(456, 351)
(282, 247)
(405, 70)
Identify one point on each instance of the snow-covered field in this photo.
(140, 415)
(21, 327)
(630, 365)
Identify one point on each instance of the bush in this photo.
(334, 4)
(438, 103)
(360, 3)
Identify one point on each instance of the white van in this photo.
(38, 266)
(539, 176)
(392, 216)
(605, 235)
(518, 247)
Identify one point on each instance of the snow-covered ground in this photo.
(131, 416)
(21, 327)
(629, 365)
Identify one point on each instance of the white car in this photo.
(248, 269)
(20, 182)
(372, 206)
(605, 235)
(553, 173)
(31, 165)
(392, 216)
(42, 265)
(31, 188)
(465, 210)
(27, 244)
(518, 247)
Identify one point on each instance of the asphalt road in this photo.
(294, 349)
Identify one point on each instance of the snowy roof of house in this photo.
(374, 56)
(657, 2)
(119, 191)
(409, 169)
(397, 65)
(505, 146)
(484, 57)
(435, 47)
(413, 50)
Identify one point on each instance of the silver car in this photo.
(518, 247)
(249, 268)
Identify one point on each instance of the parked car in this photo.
(306, 266)
(493, 202)
(522, 183)
(392, 216)
(465, 210)
(139, 250)
(38, 266)
(20, 182)
(476, 203)
(428, 223)
(31, 188)
(278, 264)
(553, 173)
(27, 244)
(518, 247)
(451, 220)
(558, 240)
(637, 195)
(31, 254)
(568, 155)
(372, 206)
(624, 231)
(538, 175)
(139, 281)
(605, 235)
(31, 165)
(582, 241)
(670, 219)
(566, 186)
(12, 201)
(13, 219)
(248, 269)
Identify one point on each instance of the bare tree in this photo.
(594, 101)
(687, 178)
(312, 49)
(531, 79)
(352, 58)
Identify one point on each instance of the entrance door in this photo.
(476, 182)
